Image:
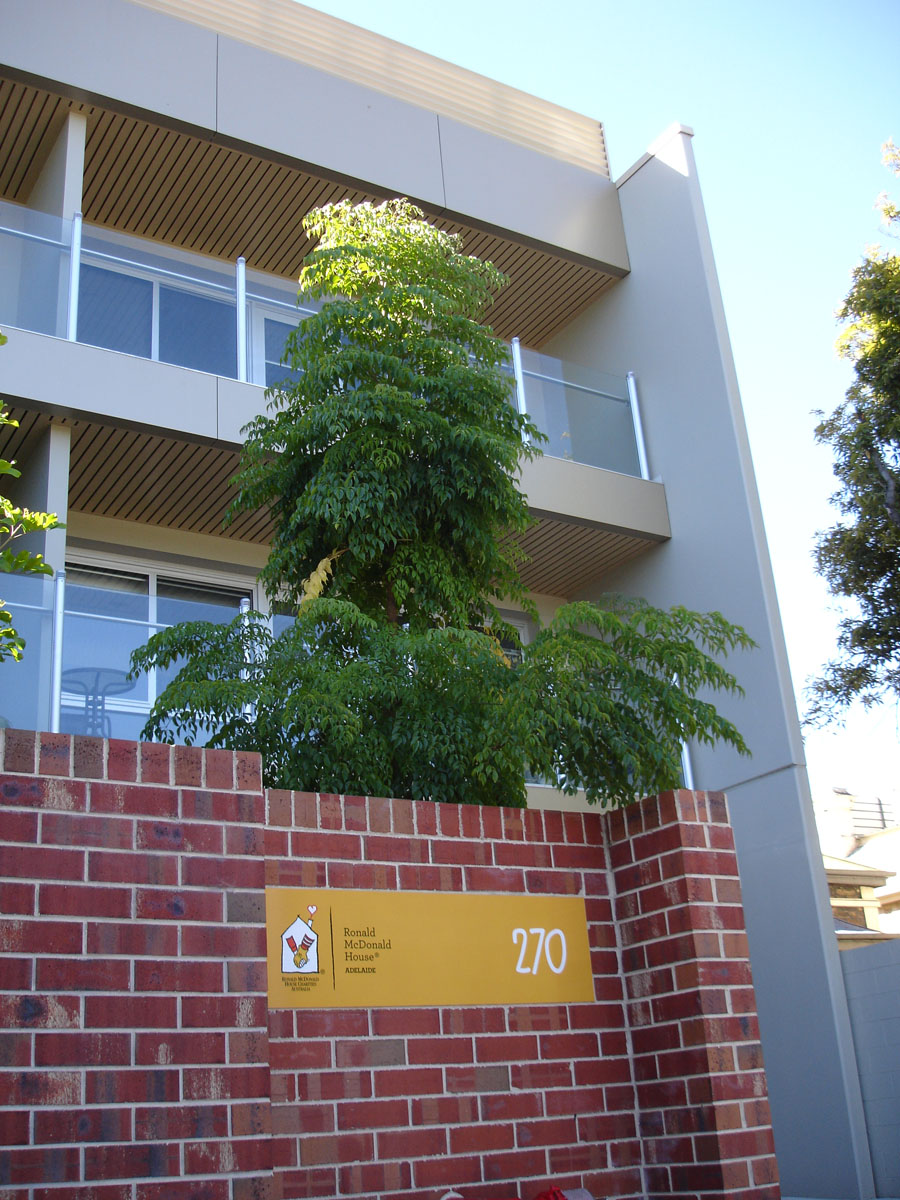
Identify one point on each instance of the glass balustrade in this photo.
(161, 303)
(106, 614)
(26, 686)
(585, 414)
(109, 614)
(35, 251)
(169, 306)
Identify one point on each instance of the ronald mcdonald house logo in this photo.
(300, 946)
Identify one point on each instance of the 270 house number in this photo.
(544, 941)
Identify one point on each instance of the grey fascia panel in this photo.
(546, 201)
(327, 122)
(122, 51)
(85, 381)
(238, 404)
(572, 491)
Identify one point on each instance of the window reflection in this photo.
(109, 614)
(197, 332)
(115, 311)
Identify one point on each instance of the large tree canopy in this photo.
(388, 464)
(860, 556)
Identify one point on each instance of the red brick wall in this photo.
(138, 1060)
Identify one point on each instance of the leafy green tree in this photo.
(860, 556)
(390, 462)
(15, 523)
(389, 467)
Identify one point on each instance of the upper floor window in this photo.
(175, 307)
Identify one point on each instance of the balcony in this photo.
(120, 293)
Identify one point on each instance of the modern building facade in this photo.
(155, 162)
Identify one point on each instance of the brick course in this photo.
(139, 1060)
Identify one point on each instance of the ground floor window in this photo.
(110, 610)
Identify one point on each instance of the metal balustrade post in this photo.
(245, 673)
(519, 374)
(74, 279)
(687, 769)
(59, 607)
(241, 294)
(638, 427)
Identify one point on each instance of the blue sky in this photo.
(790, 103)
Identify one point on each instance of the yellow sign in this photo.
(355, 949)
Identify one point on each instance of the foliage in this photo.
(345, 702)
(393, 454)
(389, 469)
(15, 523)
(860, 556)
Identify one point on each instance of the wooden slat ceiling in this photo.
(183, 191)
(142, 477)
(565, 558)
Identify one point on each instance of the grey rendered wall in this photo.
(872, 977)
(666, 323)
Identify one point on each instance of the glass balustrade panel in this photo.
(34, 270)
(25, 686)
(585, 414)
(272, 315)
(108, 615)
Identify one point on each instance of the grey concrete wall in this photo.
(666, 323)
(177, 72)
(57, 185)
(872, 978)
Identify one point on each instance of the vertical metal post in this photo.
(245, 673)
(241, 293)
(519, 374)
(687, 769)
(59, 608)
(638, 427)
(74, 278)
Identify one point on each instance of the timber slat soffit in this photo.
(177, 189)
(565, 558)
(294, 31)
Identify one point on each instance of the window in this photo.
(109, 612)
(137, 314)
